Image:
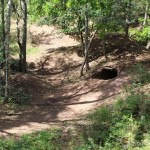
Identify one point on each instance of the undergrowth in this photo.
(124, 125)
(43, 140)
(139, 74)
(141, 36)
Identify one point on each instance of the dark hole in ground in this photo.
(105, 74)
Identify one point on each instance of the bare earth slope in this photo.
(57, 94)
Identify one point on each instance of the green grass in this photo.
(32, 50)
(14, 50)
(125, 124)
(43, 140)
(141, 36)
(140, 74)
(122, 125)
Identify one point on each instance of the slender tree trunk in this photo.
(80, 26)
(86, 41)
(91, 39)
(127, 28)
(86, 60)
(7, 37)
(19, 41)
(146, 14)
(3, 27)
(63, 4)
(82, 41)
(128, 19)
(24, 36)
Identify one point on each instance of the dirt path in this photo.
(57, 94)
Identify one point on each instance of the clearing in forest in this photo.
(56, 93)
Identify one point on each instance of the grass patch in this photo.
(141, 36)
(14, 49)
(43, 140)
(18, 99)
(125, 125)
(140, 74)
(32, 50)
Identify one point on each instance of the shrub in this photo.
(140, 74)
(125, 125)
(18, 98)
(37, 141)
(141, 36)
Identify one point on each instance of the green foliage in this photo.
(47, 20)
(35, 9)
(70, 14)
(141, 36)
(123, 126)
(14, 49)
(18, 98)
(43, 140)
(140, 74)
(101, 120)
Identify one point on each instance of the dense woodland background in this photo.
(115, 32)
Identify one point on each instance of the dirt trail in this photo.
(57, 93)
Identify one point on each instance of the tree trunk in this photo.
(80, 26)
(3, 27)
(19, 41)
(128, 19)
(127, 28)
(146, 14)
(24, 36)
(86, 42)
(86, 60)
(7, 37)
(82, 41)
(104, 47)
(63, 4)
(81, 72)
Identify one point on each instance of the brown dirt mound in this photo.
(117, 47)
(57, 93)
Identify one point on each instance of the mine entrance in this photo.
(105, 73)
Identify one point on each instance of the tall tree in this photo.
(3, 27)
(24, 35)
(146, 13)
(127, 17)
(7, 37)
(22, 40)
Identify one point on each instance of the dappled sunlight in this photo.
(56, 91)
